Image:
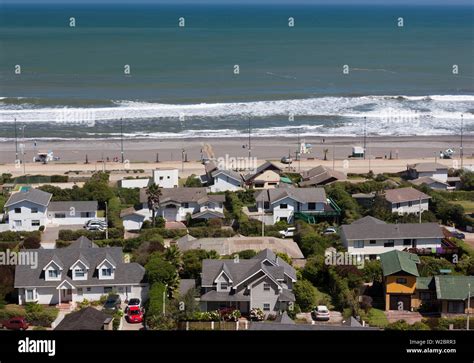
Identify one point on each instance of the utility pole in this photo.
(106, 221)
(468, 305)
(263, 213)
(23, 150)
(182, 159)
(419, 210)
(298, 153)
(121, 140)
(16, 143)
(365, 136)
(333, 157)
(462, 149)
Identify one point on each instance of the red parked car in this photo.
(17, 323)
(134, 314)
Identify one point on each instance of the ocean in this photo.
(412, 80)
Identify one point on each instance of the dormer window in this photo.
(52, 271)
(80, 269)
(224, 285)
(53, 274)
(106, 269)
(107, 272)
(79, 273)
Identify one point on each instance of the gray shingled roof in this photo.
(229, 173)
(240, 271)
(213, 295)
(404, 195)
(428, 181)
(125, 273)
(183, 195)
(83, 242)
(85, 319)
(302, 195)
(31, 195)
(86, 206)
(359, 231)
(320, 175)
(369, 220)
(427, 167)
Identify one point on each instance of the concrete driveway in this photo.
(49, 237)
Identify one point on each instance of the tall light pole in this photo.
(468, 305)
(106, 221)
(23, 150)
(121, 140)
(250, 144)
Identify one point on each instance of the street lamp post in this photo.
(106, 221)
(121, 140)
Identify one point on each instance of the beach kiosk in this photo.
(357, 152)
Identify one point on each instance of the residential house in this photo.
(320, 175)
(78, 272)
(266, 176)
(406, 201)
(406, 290)
(166, 178)
(264, 282)
(400, 273)
(233, 245)
(133, 219)
(286, 204)
(431, 183)
(370, 237)
(433, 170)
(365, 200)
(27, 209)
(177, 203)
(71, 213)
(225, 180)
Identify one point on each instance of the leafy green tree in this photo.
(161, 271)
(153, 193)
(247, 254)
(467, 181)
(174, 256)
(305, 294)
(192, 262)
(192, 182)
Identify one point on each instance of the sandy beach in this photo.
(144, 154)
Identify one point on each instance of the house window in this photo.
(59, 215)
(80, 273)
(185, 205)
(311, 206)
(390, 243)
(456, 307)
(17, 210)
(107, 290)
(401, 280)
(410, 204)
(266, 307)
(161, 178)
(413, 243)
(88, 289)
(53, 274)
(80, 292)
(372, 242)
(266, 286)
(34, 210)
(407, 242)
(425, 295)
(30, 295)
(86, 214)
(18, 223)
(224, 285)
(266, 205)
(258, 185)
(168, 177)
(107, 272)
(283, 206)
(398, 205)
(358, 244)
(35, 223)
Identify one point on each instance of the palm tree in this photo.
(325, 151)
(153, 194)
(174, 256)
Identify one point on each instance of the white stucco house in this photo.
(225, 180)
(166, 178)
(406, 200)
(133, 219)
(370, 237)
(134, 183)
(29, 209)
(282, 204)
(78, 272)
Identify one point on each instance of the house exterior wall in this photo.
(133, 222)
(409, 207)
(439, 174)
(71, 217)
(166, 178)
(259, 296)
(267, 180)
(378, 247)
(134, 183)
(179, 213)
(26, 217)
(278, 213)
(223, 183)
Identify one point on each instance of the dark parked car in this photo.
(17, 323)
(113, 303)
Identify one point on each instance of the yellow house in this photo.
(400, 274)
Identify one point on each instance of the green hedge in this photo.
(70, 235)
(10, 236)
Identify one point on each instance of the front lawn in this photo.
(375, 317)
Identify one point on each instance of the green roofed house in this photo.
(400, 273)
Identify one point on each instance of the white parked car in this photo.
(95, 225)
(321, 312)
(330, 230)
(289, 232)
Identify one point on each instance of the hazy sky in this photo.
(289, 2)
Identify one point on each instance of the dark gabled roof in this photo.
(404, 195)
(229, 173)
(86, 206)
(82, 242)
(185, 285)
(183, 195)
(207, 214)
(394, 262)
(427, 167)
(320, 175)
(35, 196)
(302, 195)
(359, 231)
(85, 319)
(267, 165)
(453, 287)
(243, 269)
(284, 319)
(214, 295)
(425, 283)
(125, 273)
(428, 180)
(369, 220)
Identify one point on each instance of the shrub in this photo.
(39, 315)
